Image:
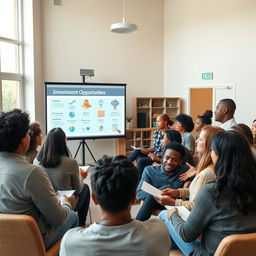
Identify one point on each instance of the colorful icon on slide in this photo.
(71, 114)
(71, 128)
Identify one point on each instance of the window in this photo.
(11, 55)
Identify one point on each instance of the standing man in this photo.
(25, 188)
(224, 113)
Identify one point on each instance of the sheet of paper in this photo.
(84, 167)
(133, 147)
(67, 193)
(150, 189)
(182, 211)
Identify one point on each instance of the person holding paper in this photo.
(223, 208)
(63, 171)
(147, 156)
(161, 176)
(204, 173)
(25, 188)
(113, 183)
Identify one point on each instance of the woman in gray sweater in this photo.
(63, 171)
(223, 208)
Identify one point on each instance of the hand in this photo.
(71, 200)
(155, 164)
(170, 192)
(170, 212)
(83, 173)
(165, 200)
(189, 173)
(153, 157)
(145, 151)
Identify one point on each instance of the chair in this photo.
(20, 236)
(237, 245)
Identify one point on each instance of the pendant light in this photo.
(124, 27)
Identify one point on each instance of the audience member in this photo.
(254, 132)
(223, 208)
(25, 188)
(246, 131)
(55, 159)
(171, 136)
(148, 156)
(36, 138)
(184, 125)
(113, 183)
(161, 176)
(202, 121)
(224, 113)
(204, 172)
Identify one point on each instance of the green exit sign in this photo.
(207, 76)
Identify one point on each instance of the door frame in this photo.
(214, 86)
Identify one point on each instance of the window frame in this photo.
(20, 44)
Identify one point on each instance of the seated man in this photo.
(166, 175)
(114, 182)
(25, 188)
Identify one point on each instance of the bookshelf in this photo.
(135, 137)
(146, 109)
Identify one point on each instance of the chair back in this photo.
(237, 245)
(20, 235)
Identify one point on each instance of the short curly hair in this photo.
(114, 182)
(14, 126)
(186, 121)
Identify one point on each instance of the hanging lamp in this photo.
(124, 27)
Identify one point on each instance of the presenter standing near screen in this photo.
(147, 156)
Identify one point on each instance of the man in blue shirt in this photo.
(162, 176)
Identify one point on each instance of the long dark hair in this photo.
(235, 170)
(53, 148)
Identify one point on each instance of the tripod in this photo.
(83, 144)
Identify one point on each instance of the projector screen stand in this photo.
(83, 144)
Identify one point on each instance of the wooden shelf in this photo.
(140, 137)
(146, 116)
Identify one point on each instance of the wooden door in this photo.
(200, 101)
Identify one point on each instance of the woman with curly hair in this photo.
(184, 125)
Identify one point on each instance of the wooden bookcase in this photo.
(135, 137)
(151, 107)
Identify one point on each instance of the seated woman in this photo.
(184, 125)
(63, 171)
(246, 131)
(36, 139)
(147, 156)
(202, 121)
(172, 135)
(223, 208)
(204, 173)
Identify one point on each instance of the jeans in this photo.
(71, 222)
(148, 206)
(83, 204)
(141, 160)
(177, 241)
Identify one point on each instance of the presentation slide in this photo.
(87, 110)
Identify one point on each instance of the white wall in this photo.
(217, 36)
(77, 35)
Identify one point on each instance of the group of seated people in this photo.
(221, 196)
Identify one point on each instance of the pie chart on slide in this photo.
(71, 114)
(71, 128)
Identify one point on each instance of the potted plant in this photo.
(128, 121)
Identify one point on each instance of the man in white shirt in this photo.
(224, 113)
(114, 182)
